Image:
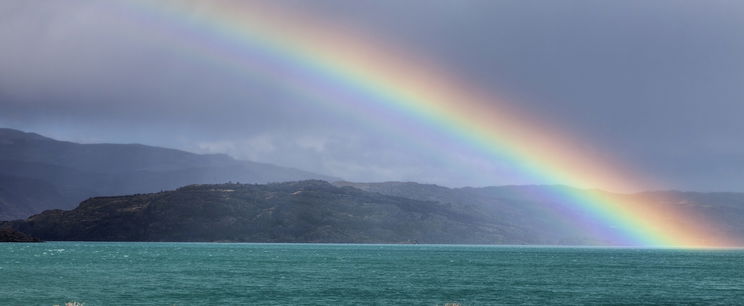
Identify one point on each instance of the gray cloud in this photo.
(657, 84)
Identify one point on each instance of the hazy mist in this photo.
(656, 84)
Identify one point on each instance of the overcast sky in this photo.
(658, 84)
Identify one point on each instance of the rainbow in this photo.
(351, 71)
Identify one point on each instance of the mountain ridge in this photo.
(318, 211)
(78, 171)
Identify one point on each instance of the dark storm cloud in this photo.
(657, 84)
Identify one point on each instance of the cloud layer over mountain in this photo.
(656, 84)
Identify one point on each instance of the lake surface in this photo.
(215, 274)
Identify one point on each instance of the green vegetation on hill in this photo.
(307, 211)
(10, 235)
(317, 211)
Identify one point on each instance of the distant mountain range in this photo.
(39, 173)
(317, 211)
(124, 183)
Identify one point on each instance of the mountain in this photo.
(527, 209)
(10, 235)
(317, 211)
(38, 173)
(306, 211)
(520, 208)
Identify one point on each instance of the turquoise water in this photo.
(215, 274)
